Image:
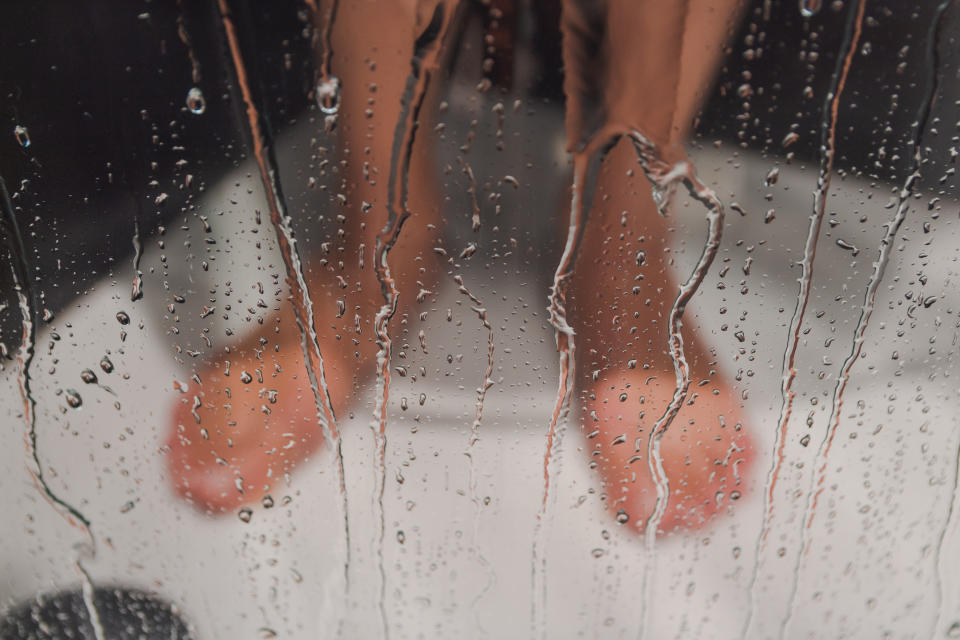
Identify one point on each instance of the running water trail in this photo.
(20, 271)
(949, 526)
(663, 177)
(789, 372)
(89, 603)
(326, 85)
(487, 382)
(424, 64)
(136, 291)
(302, 305)
(566, 349)
(473, 191)
(821, 460)
(485, 385)
(188, 43)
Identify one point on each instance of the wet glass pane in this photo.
(479, 318)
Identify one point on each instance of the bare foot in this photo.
(252, 417)
(245, 425)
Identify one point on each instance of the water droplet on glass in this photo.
(245, 377)
(23, 138)
(622, 517)
(122, 317)
(401, 537)
(810, 8)
(267, 501)
(328, 95)
(245, 514)
(843, 244)
(106, 365)
(136, 291)
(954, 630)
(88, 376)
(196, 103)
(73, 399)
(771, 178)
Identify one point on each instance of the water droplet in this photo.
(597, 553)
(805, 440)
(23, 138)
(790, 138)
(136, 292)
(88, 376)
(954, 630)
(245, 514)
(401, 537)
(106, 365)
(267, 501)
(423, 398)
(73, 399)
(403, 403)
(843, 244)
(622, 517)
(245, 377)
(772, 176)
(122, 317)
(328, 95)
(810, 8)
(196, 103)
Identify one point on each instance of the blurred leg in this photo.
(657, 62)
(253, 417)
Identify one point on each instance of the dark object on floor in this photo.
(125, 614)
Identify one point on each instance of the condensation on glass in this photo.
(503, 319)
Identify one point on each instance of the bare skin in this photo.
(639, 49)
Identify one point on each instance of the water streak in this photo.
(485, 385)
(424, 64)
(20, 270)
(789, 372)
(866, 312)
(188, 43)
(136, 291)
(302, 305)
(89, 603)
(564, 335)
(950, 525)
(663, 176)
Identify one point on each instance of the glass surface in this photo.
(480, 319)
